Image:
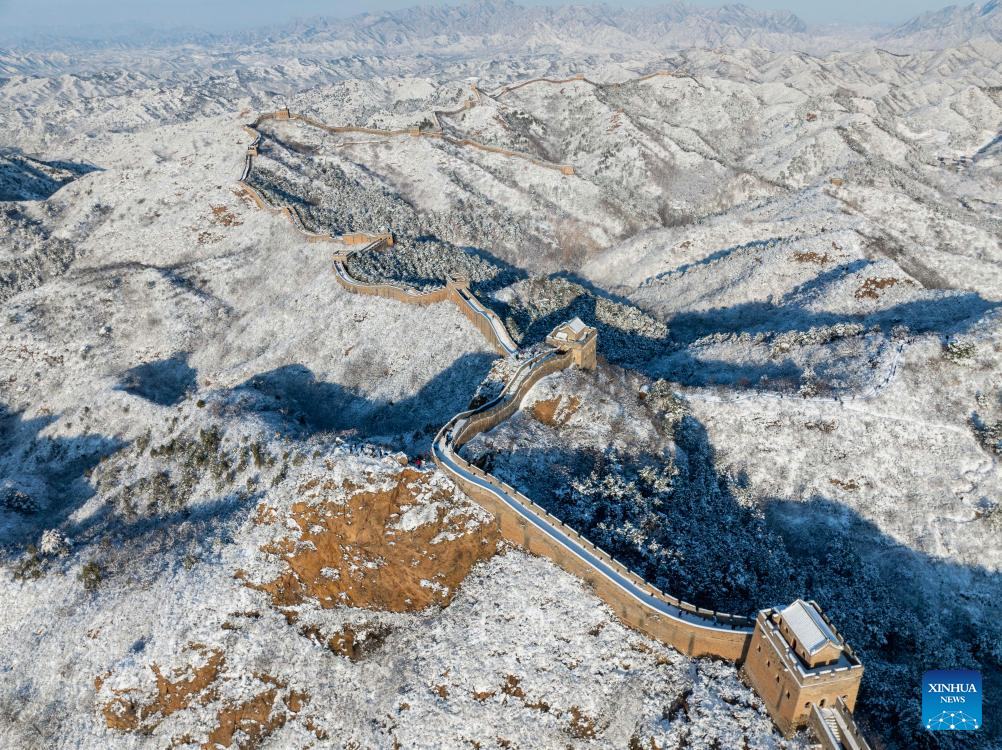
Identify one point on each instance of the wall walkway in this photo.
(580, 78)
(690, 629)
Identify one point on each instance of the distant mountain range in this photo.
(951, 26)
(505, 26)
(504, 18)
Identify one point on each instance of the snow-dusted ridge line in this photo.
(437, 134)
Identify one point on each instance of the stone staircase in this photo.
(835, 729)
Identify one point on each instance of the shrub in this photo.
(54, 542)
(989, 435)
(18, 501)
(958, 351)
(663, 400)
(31, 567)
(90, 576)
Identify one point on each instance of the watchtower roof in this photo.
(808, 627)
(573, 330)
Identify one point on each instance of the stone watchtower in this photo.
(796, 658)
(457, 281)
(579, 339)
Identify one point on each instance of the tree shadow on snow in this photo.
(299, 405)
(944, 313)
(165, 382)
(678, 356)
(26, 179)
(43, 479)
(150, 534)
(716, 255)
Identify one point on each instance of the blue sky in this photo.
(219, 14)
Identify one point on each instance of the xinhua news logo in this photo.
(951, 699)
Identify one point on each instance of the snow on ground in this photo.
(792, 495)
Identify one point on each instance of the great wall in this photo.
(581, 78)
(803, 685)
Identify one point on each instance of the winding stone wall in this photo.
(695, 631)
(413, 132)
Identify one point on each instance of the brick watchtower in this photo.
(579, 339)
(796, 658)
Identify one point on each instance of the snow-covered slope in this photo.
(949, 27)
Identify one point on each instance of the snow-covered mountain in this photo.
(506, 24)
(494, 22)
(479, 29)
(951, 26)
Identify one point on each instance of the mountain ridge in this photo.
(502, 27)
(949, 26)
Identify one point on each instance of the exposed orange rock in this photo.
(850, 485)
(348, 642)
(809, 256)
(582, 726)
(223, 216)
(127, 713)
(256, 718)
(243, 724)
(265, 515)
(512, 687)
(353, 552)
(556, 412)
(872, 286)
